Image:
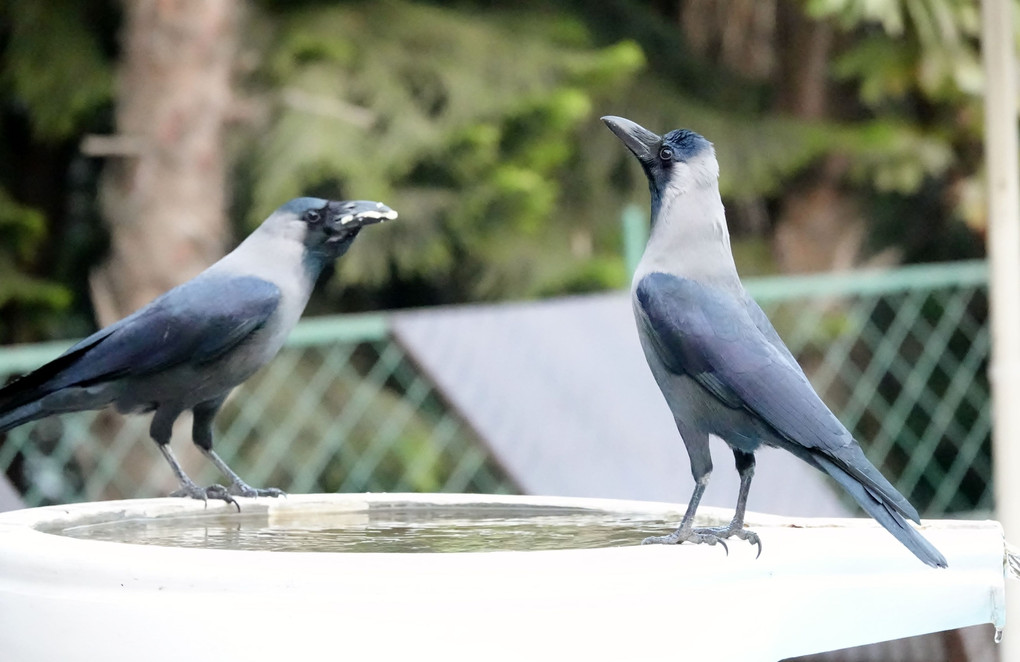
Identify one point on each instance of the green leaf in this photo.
(55, 67)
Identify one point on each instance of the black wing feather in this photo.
(195, 322)
(719, 342)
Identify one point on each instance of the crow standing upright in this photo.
(718, 361)
(190, 347)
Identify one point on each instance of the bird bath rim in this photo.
(46, 524)
(540, 603)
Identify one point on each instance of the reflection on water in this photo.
(399, 527)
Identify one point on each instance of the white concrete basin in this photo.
(819, 584)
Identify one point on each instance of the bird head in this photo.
(673, 163)
(328, 227)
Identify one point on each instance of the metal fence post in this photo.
(635, 235)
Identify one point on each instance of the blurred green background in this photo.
(848, 133)
(141, 140)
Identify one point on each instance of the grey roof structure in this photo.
(561, 394)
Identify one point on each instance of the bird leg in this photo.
(745, 467)
(201, 434)
(190, 488)
(686, 532)
(237, 486)
(161, 430)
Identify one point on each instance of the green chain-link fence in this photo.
(900, 356)
(341, 408)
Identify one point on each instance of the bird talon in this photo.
(221, 493)
(752, 538)
(240, 488)
(193, 491)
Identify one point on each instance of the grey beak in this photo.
(357, 213)
(638, 139)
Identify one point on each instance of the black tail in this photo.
(874, 493)
(884, 512)
(20, 400)
(16, 416)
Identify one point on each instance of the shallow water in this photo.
(389, 528)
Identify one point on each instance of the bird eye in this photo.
(666, 154)
(312, 216)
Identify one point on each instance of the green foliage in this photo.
(759, 155)
(465, 123)
(586, 276)
(478, 122)
(22, 230)
(928, 44)
(896, 157)
(920, 73)
(55, 80)
(21, 227)
(54, 66)
(482, 132)
(883, 67)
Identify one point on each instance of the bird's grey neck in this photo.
(314, 263)
(689, 238)
(275, 259)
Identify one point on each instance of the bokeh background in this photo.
(142, 139)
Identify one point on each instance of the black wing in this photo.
(713, 337)
(196, 322)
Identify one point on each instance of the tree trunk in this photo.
(819, 227)
(163, 188)
(164, 198)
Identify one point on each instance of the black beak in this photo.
(639, 140)
(344, 217)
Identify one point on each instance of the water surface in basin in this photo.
(396, 527)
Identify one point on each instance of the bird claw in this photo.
(694, 536)
(226, 494)
(709, 537)
(241, 488)
(706, 536)
(193, 491)
(751, 537)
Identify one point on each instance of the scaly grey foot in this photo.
(193, 491)
(707, 536)
(241, 488)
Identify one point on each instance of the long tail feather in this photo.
(18, 415)
(884, 513)
(852, 460)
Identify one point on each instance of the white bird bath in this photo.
(413, 576)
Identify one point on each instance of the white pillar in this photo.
(1001, 147)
